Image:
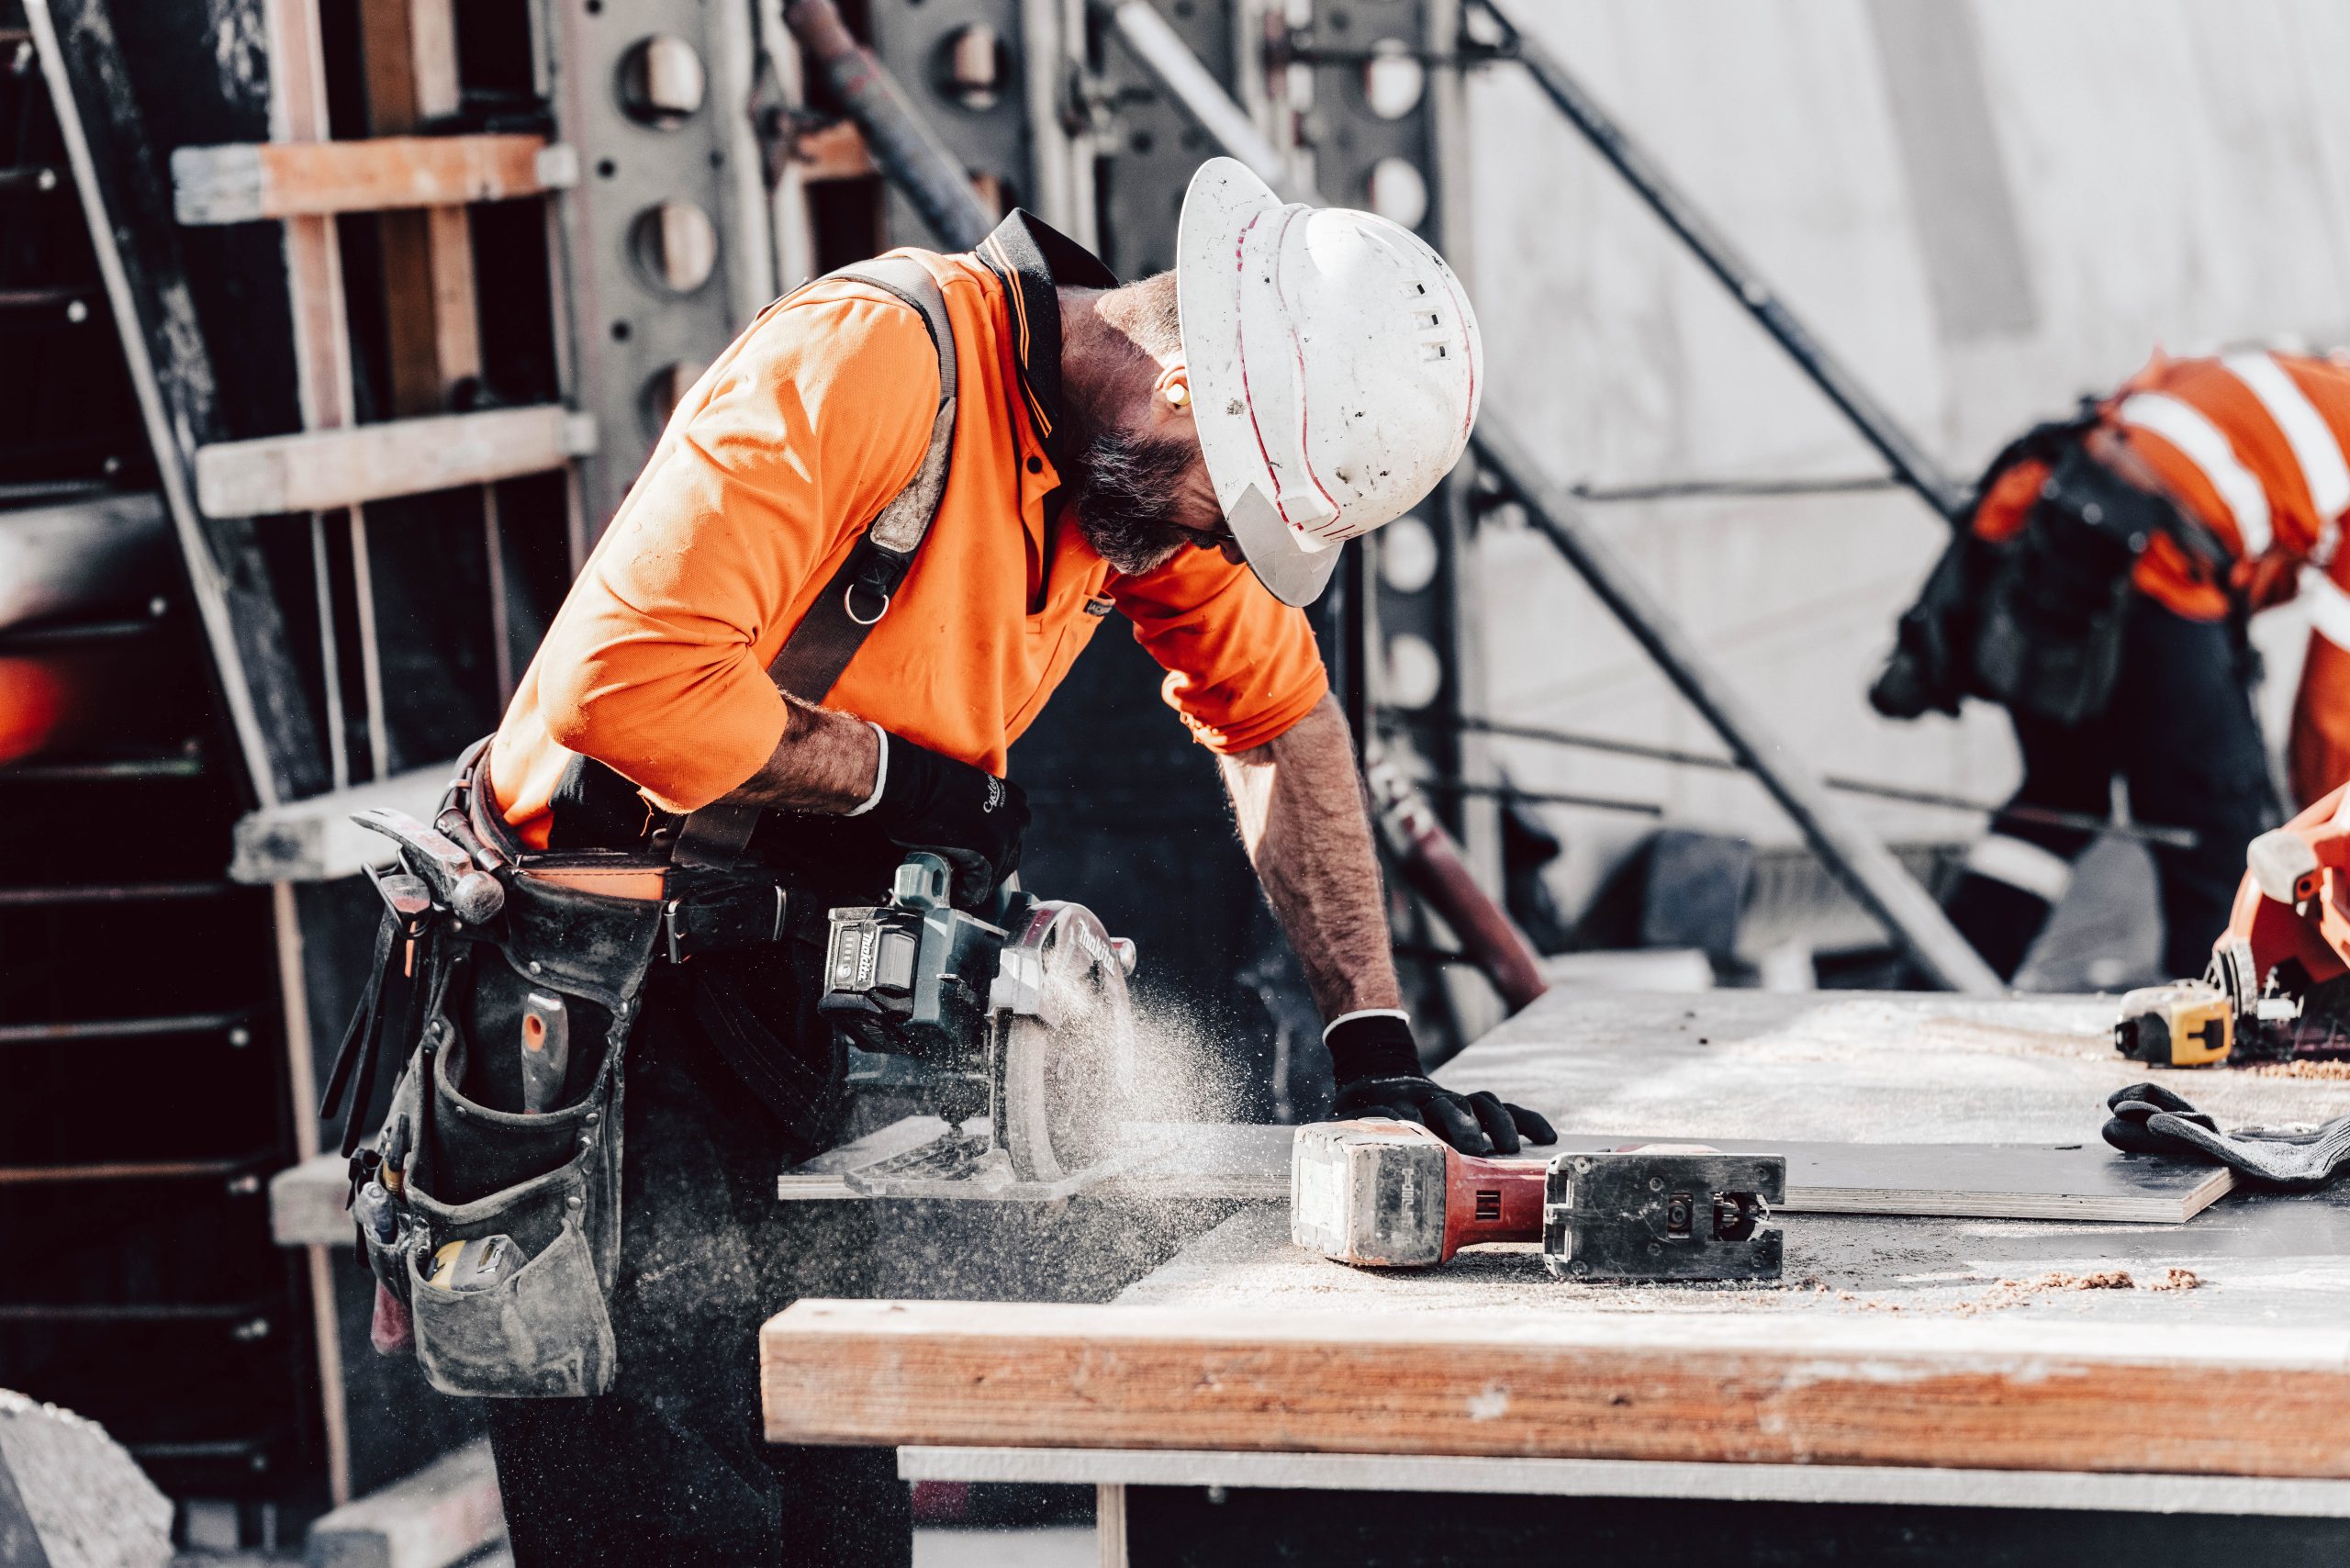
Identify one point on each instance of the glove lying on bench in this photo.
(2150, 1119)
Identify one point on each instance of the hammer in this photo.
(1394, 1195)
(472, 894)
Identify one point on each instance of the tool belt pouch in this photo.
(1928, 668)
(548, 1181)
(1932, 665)
(2049, 639)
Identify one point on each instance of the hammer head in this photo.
(1368, 1192)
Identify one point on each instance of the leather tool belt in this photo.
(506, 979)
(487, 1201)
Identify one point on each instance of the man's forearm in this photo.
(825, 762)
(1299, 803)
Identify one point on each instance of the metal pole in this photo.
(1358, 645)
(901, 141)
(1161, 50)
(2145, 832)
(1866, 867)
(1877, 427)
(1848, 848)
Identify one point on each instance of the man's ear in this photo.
(1171, 399)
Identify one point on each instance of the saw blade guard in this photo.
(1064, 1030)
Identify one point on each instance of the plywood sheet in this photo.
(1980, 1181)
(1832, 1067)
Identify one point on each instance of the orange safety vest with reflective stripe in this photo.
(2255, 447)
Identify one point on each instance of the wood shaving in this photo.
(2104, 1280)
(2177, 1280)
(2337, 1071)
(2020, 1292)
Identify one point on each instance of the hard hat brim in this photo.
(1223, 199)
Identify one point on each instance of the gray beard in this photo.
(1127, 495)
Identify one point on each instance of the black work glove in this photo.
(1378, 1069)
(964, 814)
(2150, 1119)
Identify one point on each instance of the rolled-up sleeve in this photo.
(1241, 665)
(656, 664)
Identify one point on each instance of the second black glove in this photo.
(2150, 1119)
(965, 814)
(1377, 1066)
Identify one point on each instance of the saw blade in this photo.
(1064, 1040)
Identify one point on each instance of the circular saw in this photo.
(1021, 1015)
(1063, 1041)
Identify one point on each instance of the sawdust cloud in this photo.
(1190, 1064)
(1186, 1065)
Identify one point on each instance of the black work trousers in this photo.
(2181, 732)
(670, 1467)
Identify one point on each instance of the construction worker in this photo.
(2102, 595)
(1144, 449)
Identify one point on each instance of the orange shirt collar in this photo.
(1035, 261)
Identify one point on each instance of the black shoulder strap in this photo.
(858, 595)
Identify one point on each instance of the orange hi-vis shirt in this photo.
(769, 472)
(2255, 447)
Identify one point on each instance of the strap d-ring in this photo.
(848, 603)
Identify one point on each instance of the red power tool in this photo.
(2278, 985)
(1394, 1195)
(1390, 1194)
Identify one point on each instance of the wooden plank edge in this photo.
(245, 181)
(314, 840)
(1703, 1387)
(1916, 1487)
(441, 1515)
(322, 470)
(305, 1204)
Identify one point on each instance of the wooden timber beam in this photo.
(244, 182)
(1751, 1388)
(319, 470)
(444, 1513)
(119, 170)
(409, 51)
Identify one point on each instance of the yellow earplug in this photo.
(1178, 394)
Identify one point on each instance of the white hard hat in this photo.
(1335, 369)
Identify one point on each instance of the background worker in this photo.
(1144, 449)
(2101, 594)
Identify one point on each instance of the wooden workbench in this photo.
(1901, 1363)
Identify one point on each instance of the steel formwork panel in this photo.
(636, 342)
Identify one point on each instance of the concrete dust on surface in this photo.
(1848, 1067)
(1834, 1265)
